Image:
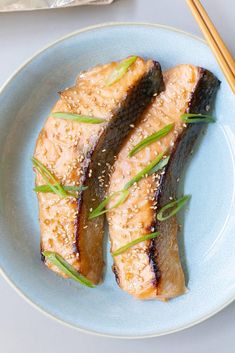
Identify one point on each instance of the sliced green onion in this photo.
(49, 178)
(66, 268)
(163, 162)
(78, 118)
(146, 171)
(150, 169)
(174, 205)
(46, 189)
(101, 208)
(197, 118)
(134, 242)
(150, 139)
(120, 70)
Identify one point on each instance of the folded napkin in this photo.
(21, 5)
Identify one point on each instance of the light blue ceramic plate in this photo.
(208, 240)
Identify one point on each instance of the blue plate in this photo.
(208, 241)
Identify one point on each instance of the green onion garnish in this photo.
(78, 118)
(66, 268)
(163, 162)
(174, 205)
(150, 139)
(49, 178)
(124, 193)
(46, 189)
(144, 172)
(120, 70)
(134, 242)
(101, 208)
(197, 118)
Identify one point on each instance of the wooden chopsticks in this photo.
(221, 52)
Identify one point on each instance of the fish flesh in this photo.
(152, 268)
(79, 153)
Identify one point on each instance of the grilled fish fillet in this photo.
(81, 154)
(152, 269)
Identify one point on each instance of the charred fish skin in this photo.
(201, 103)
(71, 151)
(101, 161)
(152, 269)
(118, 129)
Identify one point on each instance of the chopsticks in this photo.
(221, 52)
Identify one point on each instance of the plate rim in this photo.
(9, 280)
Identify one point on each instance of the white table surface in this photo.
(22, 327)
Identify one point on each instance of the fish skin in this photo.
(202, 100)
(116, 133)
(64, 223)
(153, 269)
